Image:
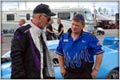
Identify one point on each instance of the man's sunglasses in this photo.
(48, 18)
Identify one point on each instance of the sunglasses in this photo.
(48, 18)
(79, 16)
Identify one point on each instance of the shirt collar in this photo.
(69, 33)
(37, 30)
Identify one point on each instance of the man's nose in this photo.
(74, 26)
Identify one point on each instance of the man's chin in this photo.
(75, 32)
(42, 27)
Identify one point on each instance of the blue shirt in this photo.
(83, 48)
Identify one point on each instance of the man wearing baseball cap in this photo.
(29, 53)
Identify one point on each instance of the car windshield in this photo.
(88, 16)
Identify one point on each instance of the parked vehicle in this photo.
(99, 31)
(108, 69)
(10, 18)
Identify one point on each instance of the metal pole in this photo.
(94, 12)
(18, 5)
(25, 4)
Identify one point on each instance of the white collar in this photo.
(35, 29)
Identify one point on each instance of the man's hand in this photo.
(94, 73)
(63, 71)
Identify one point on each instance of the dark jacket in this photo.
(25, 56)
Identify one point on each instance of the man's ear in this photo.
(40, 16)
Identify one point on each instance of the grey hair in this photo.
(34, 15)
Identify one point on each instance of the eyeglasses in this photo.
(48, 18)
(79, 16)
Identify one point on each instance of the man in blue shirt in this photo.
(76, 52)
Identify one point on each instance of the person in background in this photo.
(76, 50)
(21, 22)
(49, 30)
(60, 28)
(29, 53)
(69, 30)
(1, 37)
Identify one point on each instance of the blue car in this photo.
(109, 68)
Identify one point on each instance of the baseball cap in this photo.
(43, 8)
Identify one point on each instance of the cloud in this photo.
(27, 5)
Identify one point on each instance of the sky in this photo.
(31, 5)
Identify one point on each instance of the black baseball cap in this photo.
(43, 8)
